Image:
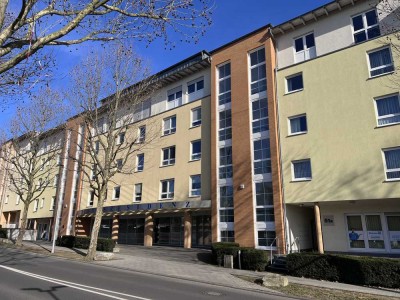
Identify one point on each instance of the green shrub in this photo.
(220, 249)
(312, 265)
(105, 245)
(66, 241)
(371, 271)
(3, 233)
(83, 242)
(254, 259)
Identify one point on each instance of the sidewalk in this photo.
(192, 264)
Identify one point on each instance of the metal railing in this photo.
(276, 241)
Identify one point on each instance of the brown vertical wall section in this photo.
(237, 54)
(274, 145)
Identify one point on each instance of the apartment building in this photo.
(166, 201)
(47, 164)
(339, 129)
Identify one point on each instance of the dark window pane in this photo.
(310, 40)
(299, 44)
(360, 37)
(371, 18)
(295, 83)
(374, 32)
(358, 23)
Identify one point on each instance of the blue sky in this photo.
(231, 19)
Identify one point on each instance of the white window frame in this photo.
(119, 164)
(198, 92)
(290, 127)
(136, 194)
(254, 121)
(365, 25)
(219, 79)
(121, 138)
(42, 203)
(118, 187)
(168, 161)
(173, 103)
(308, 53)
(303, 178)
(52, 203)
(169, 194)
(17, 200)
(170, 130)
(224, 129)
(385, 165)
(35, 205)
(380, 67)
(142, 134)
(194, 192)
(55, 182)
(90, 198)
(287, 83)
(263, 93)
(193, 122)
(137, 163)
(386, 116)
(7, 198)
(195, 156)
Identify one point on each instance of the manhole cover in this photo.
(216, 294)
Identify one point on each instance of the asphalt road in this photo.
(30, 276)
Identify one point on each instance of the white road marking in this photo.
(77, 286)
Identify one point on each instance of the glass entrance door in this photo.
(131, 231)
(168, 231)
(201, 231)
(393, 223)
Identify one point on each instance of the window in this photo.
(53, 203)
(388, 110)
(121, 138)
(35, 204)
(392, 163)
(139, 162)
(298, 124)
(258, 71)
(91, 198)
(226, 198)
(93, 173)
(7, 197)
(167, 189)
(365, 26)
(174, 97)
(304, 47)
(96, 147)
(225, 125)
(138, 192)
(195, 185)
(142, 134)
(59, 160)
(225, 163)
(168, 156)
(301, 170)
(117, 192)
(264, 196)
(266, 238)
(196, 116)
(380, 62)
(224, 84)
(227, 236)
(40, 184)
(262, 157)
(101, 126)
(260, 115)
(42, 203)
(294, 83)
(196, 150)
(119, 164)
(55, 183)
(195, 89)
(169, 125)
(17, 200)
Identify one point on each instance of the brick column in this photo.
(115, 228)
(187, 219)
(318, 228)
(148, 230)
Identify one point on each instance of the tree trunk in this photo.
(22, 227)
(96, 226)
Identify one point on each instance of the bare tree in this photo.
(32, 154)
(28, 26)
(113, 131)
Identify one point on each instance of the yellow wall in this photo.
(343, 141)
(153, 171)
